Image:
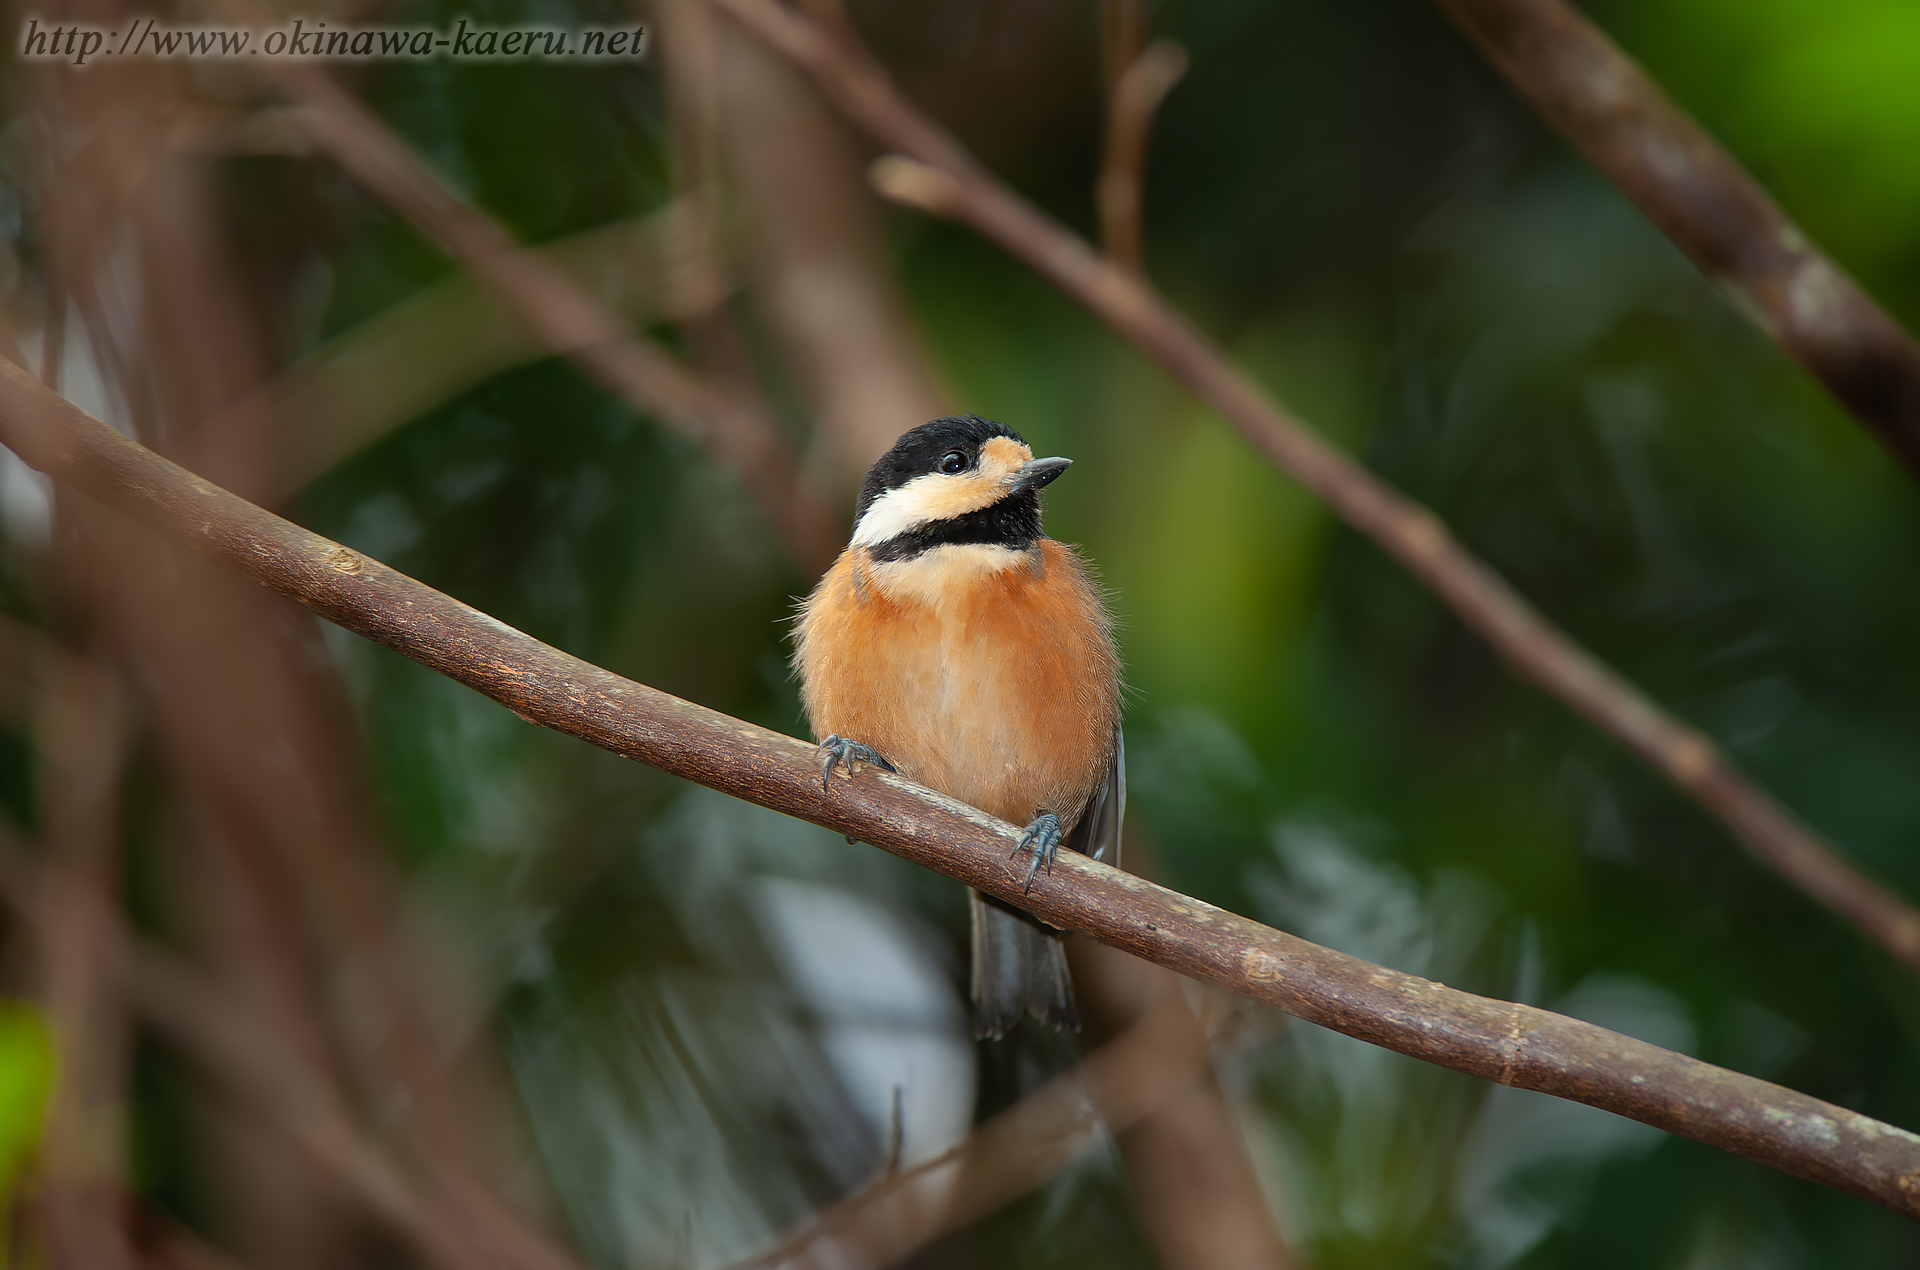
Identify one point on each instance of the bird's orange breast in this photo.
(990, 677)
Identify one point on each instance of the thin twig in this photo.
(1608, 107)
(441, 341)
(1123, 34)
(1494, 1040)
(1017, 1151)
(1135, 95)
(570, 319)
(251, 1066)
(941, 178)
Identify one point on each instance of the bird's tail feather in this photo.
(1019, 968)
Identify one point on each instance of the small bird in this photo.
(956, 644)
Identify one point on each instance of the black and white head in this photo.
(959, 481)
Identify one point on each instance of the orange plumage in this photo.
(998, 688)
(975, 655)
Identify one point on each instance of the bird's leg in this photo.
(1042, 837)
(837, 750)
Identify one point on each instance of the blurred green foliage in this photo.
(1389, 241)
(27, 1067)
(1821, 101)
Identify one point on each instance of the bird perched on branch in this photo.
(954, 643)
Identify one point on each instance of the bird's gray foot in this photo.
(838, 751)
(1042, 837)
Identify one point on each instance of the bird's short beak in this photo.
(1039, 473)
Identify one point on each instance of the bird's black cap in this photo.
(919, 452)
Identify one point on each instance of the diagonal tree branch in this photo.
(256, 1069)
(568, 317)
(1512, 1044)
(1600, 100)
(441, 341)
(939, 177)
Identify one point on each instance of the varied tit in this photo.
(956, 644)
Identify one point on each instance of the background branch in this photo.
(1117, 1084)
(274, 1082)
(567, 316)
(1614, 114)
(1512, 1044)
(940, 178)
(426, 350)
(430, 1212)
(821, 278)
(1199, 1193)
(87, 742)
(1136, 92)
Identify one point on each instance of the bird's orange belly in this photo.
(972, 696)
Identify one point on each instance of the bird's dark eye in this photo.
(954, 461)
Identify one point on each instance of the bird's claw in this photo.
(1042, 837)
(838, 751)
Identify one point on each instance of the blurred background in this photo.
(670, 1026)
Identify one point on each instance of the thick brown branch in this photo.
(941, 178)
(1512, 1044)
(1603, 103)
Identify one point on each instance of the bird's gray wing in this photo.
(1097, 833)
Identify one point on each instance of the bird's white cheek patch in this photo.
(895, 512)
(937, 496)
